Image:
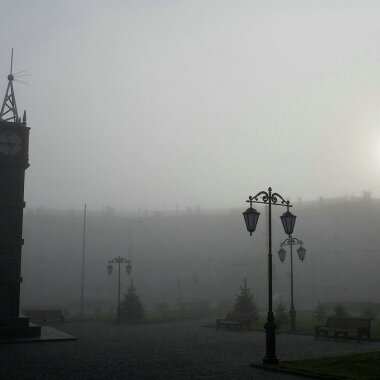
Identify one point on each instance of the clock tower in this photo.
(14, 160)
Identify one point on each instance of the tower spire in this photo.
(9, 109)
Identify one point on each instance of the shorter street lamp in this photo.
(119, 260)
(290, 241)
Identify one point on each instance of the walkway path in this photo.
(173, 350)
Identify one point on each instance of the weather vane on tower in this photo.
(9, 108)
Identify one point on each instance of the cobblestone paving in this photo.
(173, 350)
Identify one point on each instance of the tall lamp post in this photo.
(251, 216)
(290, 241)
(119, 260)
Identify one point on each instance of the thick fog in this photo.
(163, 116)
(153, 104)
(197, 256)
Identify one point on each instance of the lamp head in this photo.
(251, 216)
(281, 254)
(301, 251)
(288, 221)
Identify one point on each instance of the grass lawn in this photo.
(351, 367)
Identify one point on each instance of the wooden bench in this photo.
(45, 315)
(343, 326)
(235, 320)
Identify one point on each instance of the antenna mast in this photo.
(9, 109)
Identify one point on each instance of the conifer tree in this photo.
(245, 302)
(131, 308)
(281, 317)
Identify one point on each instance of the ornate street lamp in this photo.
(301, 251)
(251, 217)
(288, 221)
(290, 241)
(119, 260)
(282, 254)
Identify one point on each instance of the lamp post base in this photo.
(270, 361)
(270, 328)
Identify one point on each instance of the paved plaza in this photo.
(171, 350)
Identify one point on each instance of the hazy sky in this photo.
(156, 103)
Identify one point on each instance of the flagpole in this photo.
(83, 251)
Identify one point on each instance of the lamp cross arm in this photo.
(275, 197)
(297, 241)
(291, 241)
(121, 260)
(266, 197)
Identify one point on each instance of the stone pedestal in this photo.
(18, 328)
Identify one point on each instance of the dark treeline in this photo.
(201, 256)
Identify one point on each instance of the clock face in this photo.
(10, 143)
